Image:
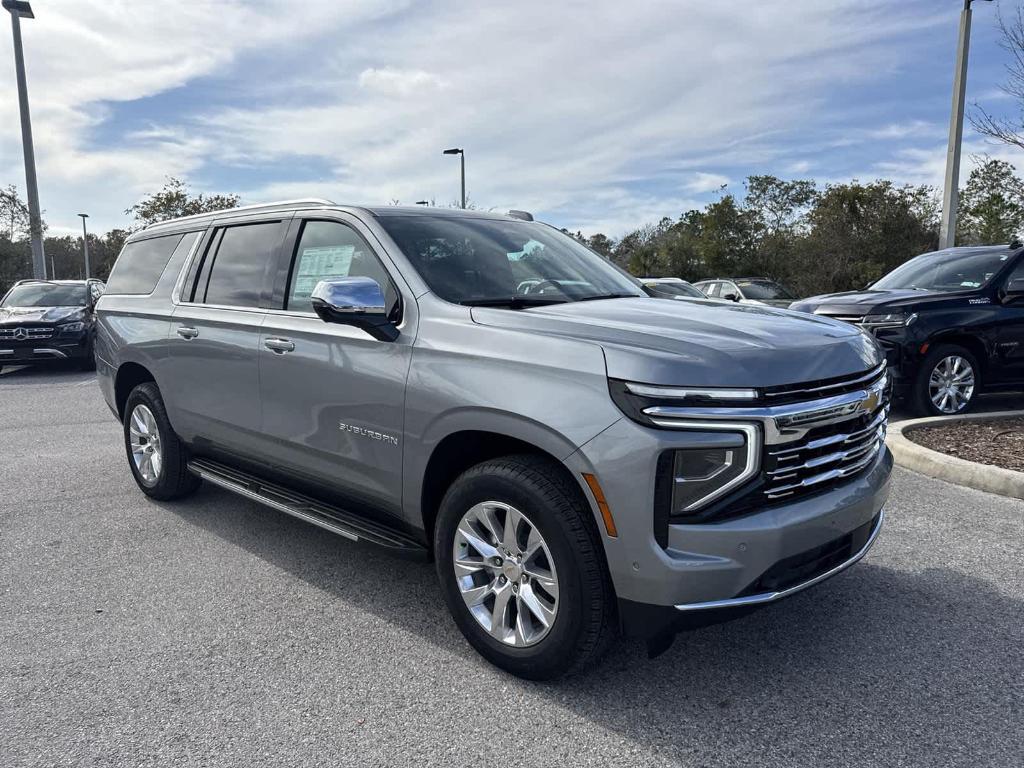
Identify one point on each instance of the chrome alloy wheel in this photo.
(951, 384)
(145, 440)
(506, 574)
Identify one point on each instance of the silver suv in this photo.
(578, 459)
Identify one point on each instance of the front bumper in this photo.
(54, 349)
(716, 570)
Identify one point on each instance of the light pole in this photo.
(462, 161)
(951, 193)
(85, 245)
(21, 10)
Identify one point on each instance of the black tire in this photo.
(173, 481)
(921, 396)
(584, 624)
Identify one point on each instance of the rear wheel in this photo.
(947, 382)
(522, 569)
(157, 458)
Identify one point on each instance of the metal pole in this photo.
(462, 158)
(85, 245)
(951, 193)
(35, 223)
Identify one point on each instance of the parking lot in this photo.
(217, 632)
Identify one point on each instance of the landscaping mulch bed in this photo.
(998, 443)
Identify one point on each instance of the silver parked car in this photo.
(577, 458)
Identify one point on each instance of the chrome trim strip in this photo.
(782, 423)
(50, 352)
(771, 597)
(847, 437)
(821, 461)
(824, 477)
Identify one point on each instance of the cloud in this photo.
(589, 114)
(399, 82)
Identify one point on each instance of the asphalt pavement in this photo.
(215, 632)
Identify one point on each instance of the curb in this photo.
(982, 477)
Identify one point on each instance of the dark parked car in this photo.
(669, 288)
(46, 321)
(747, 290)
(951, 322)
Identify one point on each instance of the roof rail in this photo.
(254, 207)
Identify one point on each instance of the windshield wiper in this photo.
(513, 302)
(610, 296)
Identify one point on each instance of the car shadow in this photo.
(863, 669)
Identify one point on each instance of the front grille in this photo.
(824, 455)
(29, 333)
(840, 385)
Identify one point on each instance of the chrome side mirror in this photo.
(357, 301)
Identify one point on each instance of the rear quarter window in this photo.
(138, 268)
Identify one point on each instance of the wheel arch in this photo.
(973, 344)
(129, 376)
(468, 441)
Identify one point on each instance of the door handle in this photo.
(279, 346)
(187, 333)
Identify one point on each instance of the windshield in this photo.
(946, 271)
(516, 263)
(47, 295)
(676, 289)
(763, 289)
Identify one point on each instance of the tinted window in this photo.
(243, 254)
(763, 289)
(493, 261)
(328, 250)
(140, 265)
(947, 270)
(47, 295)
(675, 289)
(711, 289)
(1015, 282)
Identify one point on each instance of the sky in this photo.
(596, 116)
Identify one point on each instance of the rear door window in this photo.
(238, 272)
(140, 265)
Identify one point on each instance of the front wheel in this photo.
(522, 569)
(947, 382)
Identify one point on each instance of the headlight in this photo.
(701, 475)
(889, 320)
(71, 328)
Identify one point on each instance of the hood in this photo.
(863, 302)
(701, 343)
(11, 315)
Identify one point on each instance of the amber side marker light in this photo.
(602, 504)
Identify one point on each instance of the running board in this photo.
(334, 519)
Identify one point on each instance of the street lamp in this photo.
(951, 193)
(21, 10)
(85, 244)
(462, 161)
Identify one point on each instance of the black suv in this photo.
(951, 322)
(45, 321)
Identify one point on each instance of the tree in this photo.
(175, 200)
(991, 205)
(1007, 130)
(14, 219)
(858, 232)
